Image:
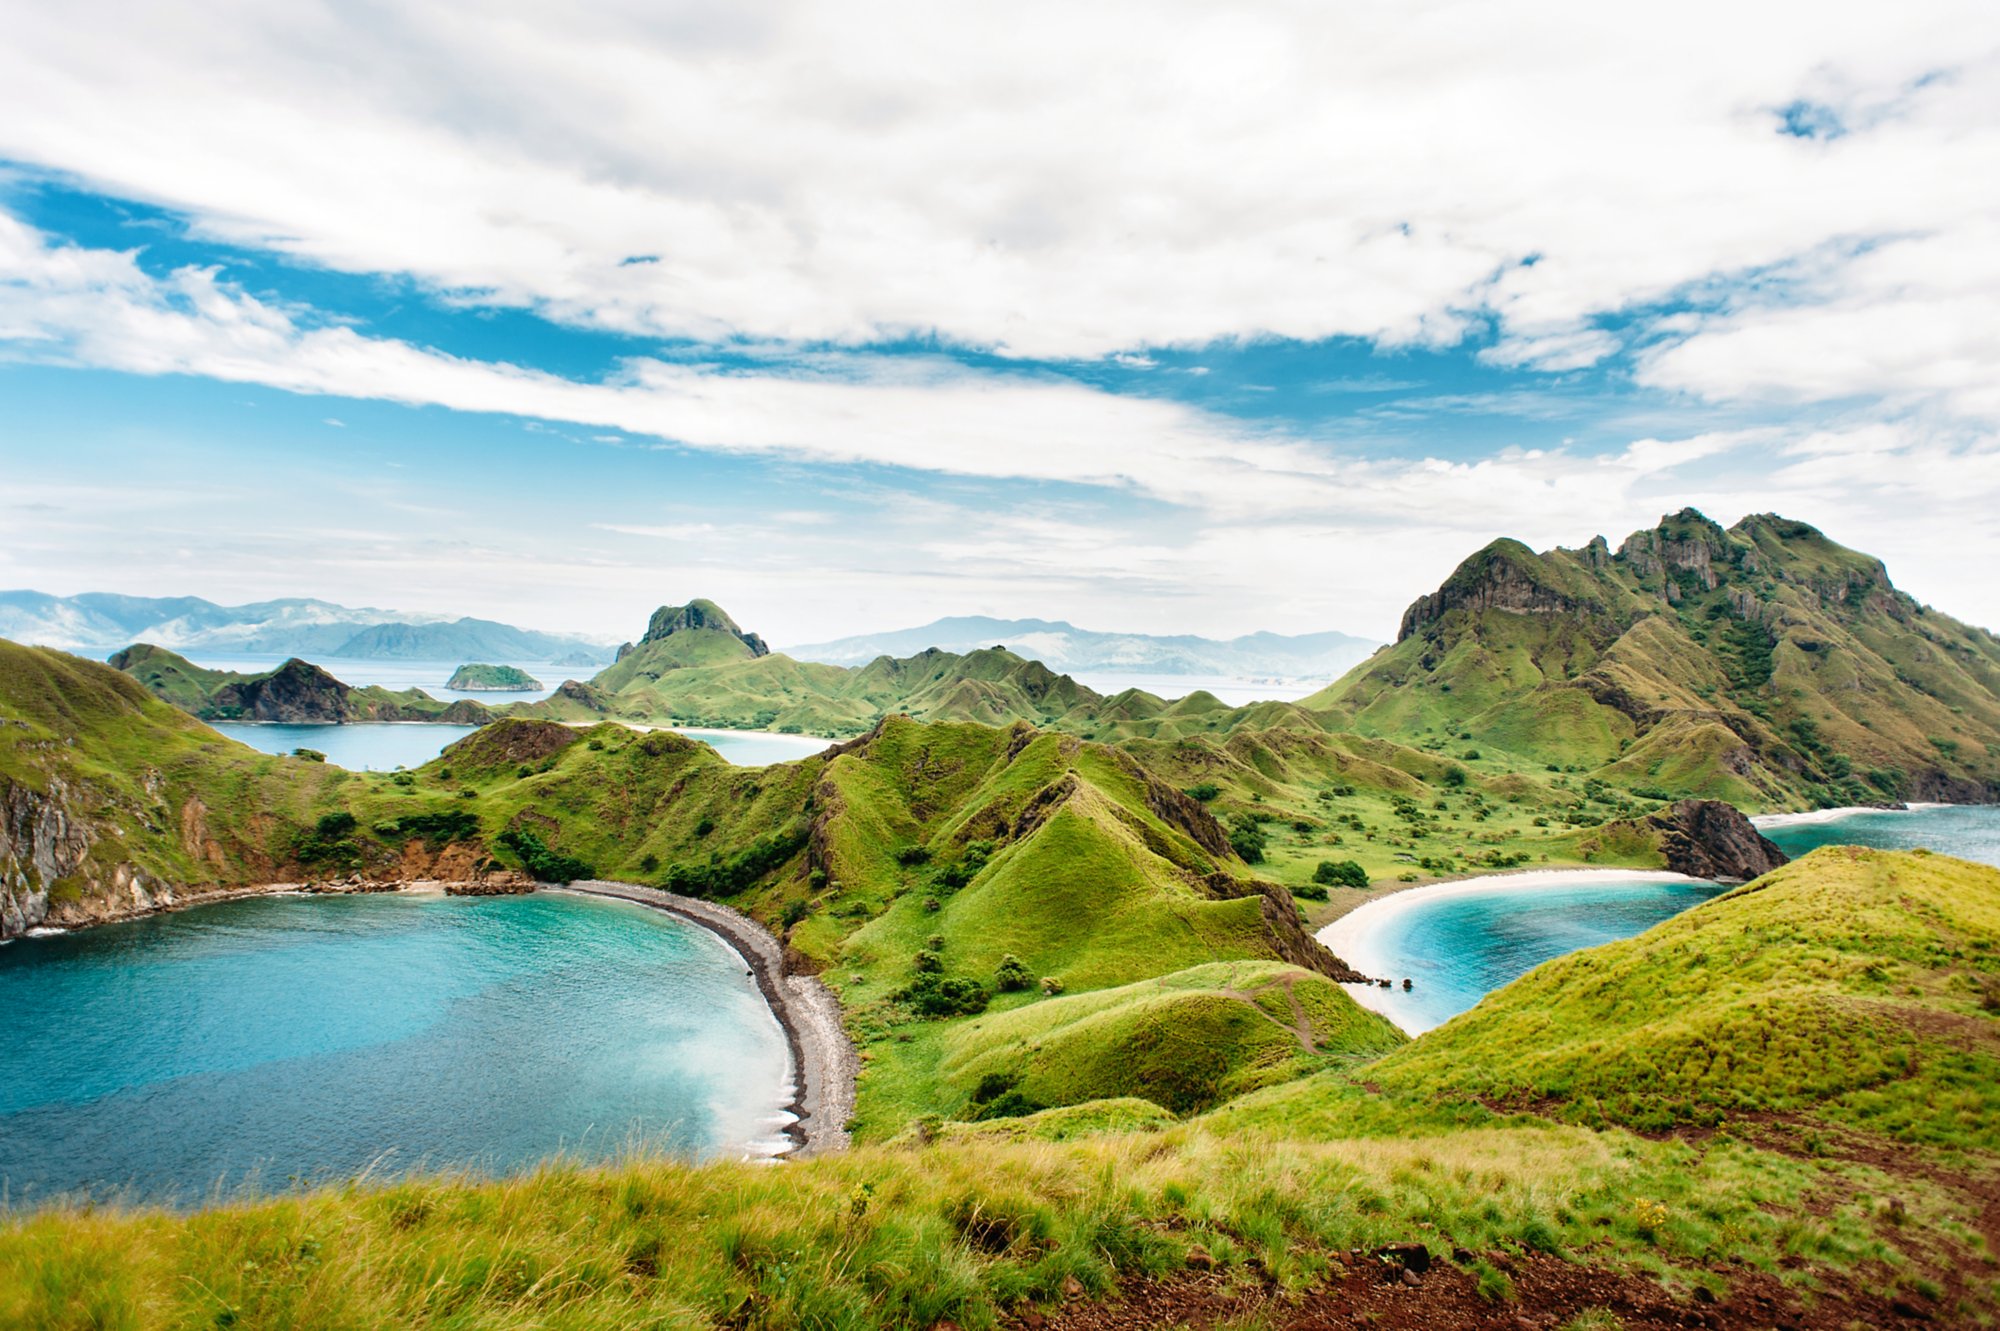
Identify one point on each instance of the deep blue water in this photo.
(383, 748)
(261, 1041)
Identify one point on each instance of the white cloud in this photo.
(1040, 178)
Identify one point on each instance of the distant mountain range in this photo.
(1065, 647)
(295, 626)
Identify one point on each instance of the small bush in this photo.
(795, 910)
(1012, 977)
(931, 995)
(1340, 873)
(704, 827)
(1204, 792)
(911, 856)
(1051, 985)
(309, 755)
(927, 963)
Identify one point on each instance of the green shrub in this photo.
(721, 878)
(1246, 838)
(1012, 977)
(309, 755)
(1340, 873)
(932, 995)
(911, 856)
(543, 864)
(1204, 792)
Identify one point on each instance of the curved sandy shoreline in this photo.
(823, 1060)
(1764, 820)
(1351, 937)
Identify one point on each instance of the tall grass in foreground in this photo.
(906, 1237)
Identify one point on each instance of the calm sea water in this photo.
(367, 747)
(1459, 949)
(254, 1043)
(1969, 831)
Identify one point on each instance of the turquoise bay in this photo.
(262, 1042)
(1461, 941)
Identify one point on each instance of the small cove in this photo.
(264, 1042)
(1460, 941)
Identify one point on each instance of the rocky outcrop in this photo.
(510, 742)
(41, 843)
(1710, 839)
(1506, 575)
(297, 692)
(1286, 929)
(1180, 810)
(671, 619)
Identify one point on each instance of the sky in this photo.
(1160, 318)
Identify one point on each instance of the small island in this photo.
(492, 679)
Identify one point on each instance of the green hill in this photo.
(297, 692)
(474, 677)
(1764, 665)
(114, 801)
(1853, 986)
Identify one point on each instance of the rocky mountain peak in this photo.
(1505, 575)
(698, 614)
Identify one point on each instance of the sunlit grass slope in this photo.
(1852, 986)
(110, 781)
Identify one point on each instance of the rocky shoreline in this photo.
(823, 1058)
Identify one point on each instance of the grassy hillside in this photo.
(1821, 1180)
(1764, 665)
(1853, 986)
(112, 797)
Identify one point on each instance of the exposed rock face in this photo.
(1686, 542)
(40, 843)
(1288, 935)
(297, 692)
(671, 619)
(1503, 576)
(1710, 839)
(506, 743)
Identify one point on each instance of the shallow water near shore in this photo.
(1459, 943)
(1969, 831)
(265, 1042)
